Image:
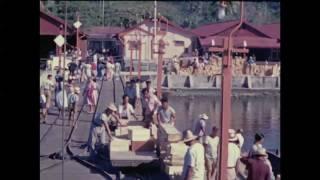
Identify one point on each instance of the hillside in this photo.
(188, 14)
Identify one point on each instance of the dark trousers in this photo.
(132, 101)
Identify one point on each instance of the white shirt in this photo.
(102, 118)
(241, 139)
(126, 112)
(233, 154)
(254, 148)
(43, 98)
(212, 147)
(137, 86)
(62, 99)
(48, 84)
(165, 115)
(195, 158)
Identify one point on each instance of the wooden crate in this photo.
(177, 149)
(120, 145)
(170, 133)
(173, 170)
(143, 146)
(139, 134)
(122, 132)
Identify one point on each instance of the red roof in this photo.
(272, 30)
(256, 37)
(99, 31)
(49, 24)
(252, 42)
(163, 23)
(211, 29)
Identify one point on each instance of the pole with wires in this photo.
(63, 87)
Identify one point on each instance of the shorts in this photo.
(209, 162)
(43, 105)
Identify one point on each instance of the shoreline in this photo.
(236, 92)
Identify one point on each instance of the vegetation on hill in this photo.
(188, 14)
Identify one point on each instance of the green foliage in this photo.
(188, 14)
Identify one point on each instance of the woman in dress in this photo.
(91, 94)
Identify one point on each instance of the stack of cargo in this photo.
(134, 138)
(172, 149)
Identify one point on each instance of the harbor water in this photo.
(252, 114)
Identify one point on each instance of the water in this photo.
(252, 114)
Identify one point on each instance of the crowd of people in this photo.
(96, 66)
(202, 155)
(201, 159)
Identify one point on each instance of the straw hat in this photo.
(77, 89)
(188, 136)
(203, 116)
(260, 152)
(112, 107)
(232, 135)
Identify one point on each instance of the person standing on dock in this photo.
(130, 90)
(48, 86)
(257, 168)
(211, 143)
(258, 140)
(100, 126)
(126, 111)
(148, 86)
(73, 100)
(240, 137)
(150, 103)
(165, 113)
(200, 126)
(193, 167)
(233, 155)
(91, 94)
(43, 106)
(62, 100)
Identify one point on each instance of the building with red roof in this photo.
(177, 41)
(263, 41)
(50, 26)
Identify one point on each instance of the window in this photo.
(179, 43)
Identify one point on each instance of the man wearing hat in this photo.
(200, 126)
(193, 167)
(233, 155)
(257, 167)
(100, 125)
(73, 100)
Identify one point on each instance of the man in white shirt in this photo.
(200, 126)
(48, 86)
(99, 128)
(150, 103)
(166, 114)
(126, 111)
(73, 99)
(211, 149)
(233, 155)
(193, 167)
(258, 140)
